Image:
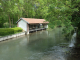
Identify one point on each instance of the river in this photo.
(41, 45)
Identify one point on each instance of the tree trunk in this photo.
(12, 22)
(9, 21)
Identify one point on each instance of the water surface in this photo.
(41, 45)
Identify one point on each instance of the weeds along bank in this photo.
(9, 31)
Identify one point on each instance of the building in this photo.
(32, 24)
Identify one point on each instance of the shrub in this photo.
(17, 29)
(6, 31)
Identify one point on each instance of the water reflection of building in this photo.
(31, 24)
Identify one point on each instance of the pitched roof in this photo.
(34, 20)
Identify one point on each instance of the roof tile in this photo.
(33, 20)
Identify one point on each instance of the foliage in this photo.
(8, 31)
(57, 12)
(6, 25)
(17, 29)
(76, 15)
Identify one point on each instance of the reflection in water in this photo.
(41, 45)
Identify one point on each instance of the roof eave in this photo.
(22, 19)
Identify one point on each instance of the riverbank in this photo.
(11, 36)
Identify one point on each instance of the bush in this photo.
(8, 31)
(17, 29)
